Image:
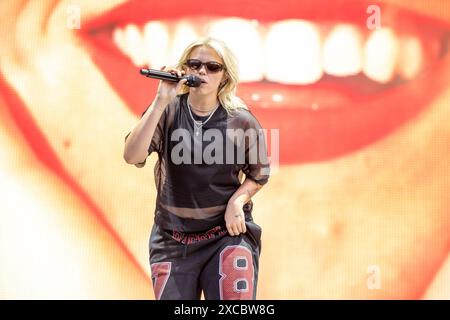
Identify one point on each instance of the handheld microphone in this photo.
(192, 81)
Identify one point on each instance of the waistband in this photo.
(169, 221)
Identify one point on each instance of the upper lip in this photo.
(343, 120)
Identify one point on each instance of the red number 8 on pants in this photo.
(237, 273)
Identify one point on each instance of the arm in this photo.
(234, 214)
(245, 192)
(256, 175)
(137, 143)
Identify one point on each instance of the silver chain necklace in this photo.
(199, 124)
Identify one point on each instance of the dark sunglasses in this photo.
(212, 66)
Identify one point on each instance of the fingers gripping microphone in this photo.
(192, 81)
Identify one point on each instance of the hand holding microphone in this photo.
(173, 81)
(192, 81)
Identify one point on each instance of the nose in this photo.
(202, 69)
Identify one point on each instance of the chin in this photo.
(202, 91)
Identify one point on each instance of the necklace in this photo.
(199, 124)
(192, 108)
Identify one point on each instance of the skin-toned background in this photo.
(75, 218)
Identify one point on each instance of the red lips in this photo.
(317, 122)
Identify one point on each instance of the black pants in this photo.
(223, 267)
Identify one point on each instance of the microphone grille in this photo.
(193, 81)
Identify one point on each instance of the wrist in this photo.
(237, 201)
(161, 102)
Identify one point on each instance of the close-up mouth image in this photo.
(342, 188)
(314, 70)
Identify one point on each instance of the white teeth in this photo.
(293, 52)
(119, 40)
(289, 51)
(412, 57)
(342, 51)
(184, 35)
(156, 44)
(134, 43)
(243, 38)
(380, 55)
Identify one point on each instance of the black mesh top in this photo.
(193, 191)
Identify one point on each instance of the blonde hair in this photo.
(226, 93)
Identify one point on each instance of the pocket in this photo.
(152, 237)
(158, 238)
(254, 231)
(248, 207)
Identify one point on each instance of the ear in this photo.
(223, 83)
(224, 80)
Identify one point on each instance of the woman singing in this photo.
(204, 237)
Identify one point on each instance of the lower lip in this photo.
(201, 85)
(349, 124)
(306, 135)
